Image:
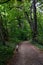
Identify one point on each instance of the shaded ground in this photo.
(27, 55)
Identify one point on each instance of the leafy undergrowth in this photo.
(38, 45)
(6, 51)
(5, 54)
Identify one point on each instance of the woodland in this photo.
(20, 20)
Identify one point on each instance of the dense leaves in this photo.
(5, 53)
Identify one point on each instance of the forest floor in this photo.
(27, 54)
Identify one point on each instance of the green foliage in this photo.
(5, 54)
(40, 28)
(18, 26)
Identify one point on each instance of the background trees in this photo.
(18, 14)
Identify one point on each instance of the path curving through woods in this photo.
(27, 54)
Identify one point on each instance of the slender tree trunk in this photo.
(1, 31)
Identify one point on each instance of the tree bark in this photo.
(35, 21)
(1, 31)
(4, 1)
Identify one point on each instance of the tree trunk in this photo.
(35, 21)
(1, 31)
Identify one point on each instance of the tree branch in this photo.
(4, 2)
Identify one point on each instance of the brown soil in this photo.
(27, 54)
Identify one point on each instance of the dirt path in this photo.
(27, 55)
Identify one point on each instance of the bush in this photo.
(5, 54)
